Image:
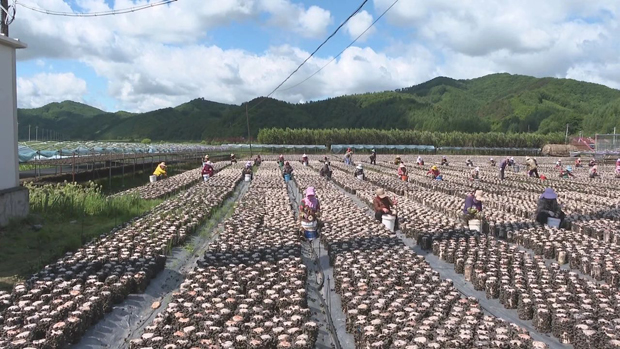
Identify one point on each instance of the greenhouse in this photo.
(57, 150)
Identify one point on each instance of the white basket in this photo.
(475, 225)
(153, 178)
(389, 221)
(360, 177)
(205, 177)
(309, 226)
(553, 222)
(248, 177)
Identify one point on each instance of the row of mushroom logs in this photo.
(391, 297)
(58, 304)
(173, 184)
(249, 289)
(576, 311)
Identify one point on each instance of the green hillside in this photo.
(493, 103)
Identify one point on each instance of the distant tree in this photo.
(146, 141)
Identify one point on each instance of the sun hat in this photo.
(310, 191)
(248, 164)
(434, 167)
(207, 156)
(479, 195)
(381, 193)
(401, 165)
(231, 154)
(477, 168)
(549, 193)
(163, 164)
(359, 166)
(303, 156)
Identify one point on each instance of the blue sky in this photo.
(232, 51)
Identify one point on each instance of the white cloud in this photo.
(310, 23)
(45, 88)
(183, 22)
(159, 58)
(358, 23)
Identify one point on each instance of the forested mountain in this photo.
(497, 102)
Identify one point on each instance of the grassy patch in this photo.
(63, 217)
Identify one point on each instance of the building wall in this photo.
(9, 167)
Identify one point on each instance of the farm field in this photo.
(220, 263)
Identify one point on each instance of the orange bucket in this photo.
(404, 178)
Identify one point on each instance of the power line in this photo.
(313, 52)
(341, 52)
(96, 14)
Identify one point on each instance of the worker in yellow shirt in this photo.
(160, 171)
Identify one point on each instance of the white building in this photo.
(13, 198)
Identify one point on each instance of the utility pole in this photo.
(566, 133)
(4, 27)
(247, 119)
(36, 133)
(28, 133)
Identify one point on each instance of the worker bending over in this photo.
(161, 171)
(384, 205)
(359, 173)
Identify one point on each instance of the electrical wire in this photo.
(312, 54)
(96, 14)
(341, 52)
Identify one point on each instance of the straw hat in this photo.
(479, 195)
(434, 167)
(359, 166)
(303, 156)
(163, 164)
(381, 193)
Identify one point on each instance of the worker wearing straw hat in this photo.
(233, 159)
(383, 205)
(402, 172)
(161, 171)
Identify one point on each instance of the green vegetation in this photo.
(501, 103)
(63, 217)
(146, 141)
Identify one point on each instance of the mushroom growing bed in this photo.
(249, 289)
(167, 186)
(391, 297)
(55, 306)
